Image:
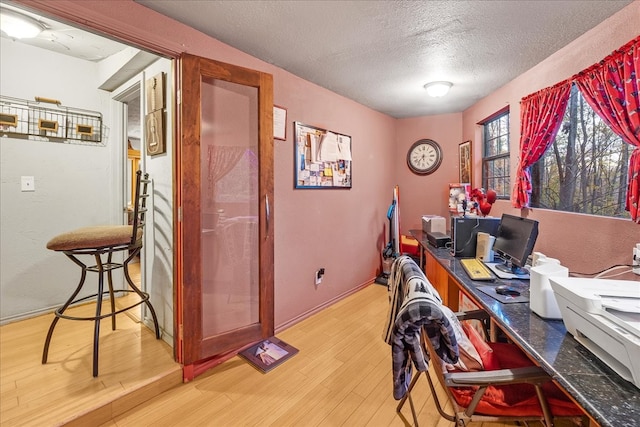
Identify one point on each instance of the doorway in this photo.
(173, 258)
(132, 162)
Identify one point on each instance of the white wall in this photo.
(73, 182)
(158, 239)
(76, 185)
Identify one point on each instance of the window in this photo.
(495, 157)
(585, 169)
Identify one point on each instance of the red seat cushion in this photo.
(515, 399)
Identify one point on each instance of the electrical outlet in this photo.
(319, 275)
(27, 183)
(635, 262)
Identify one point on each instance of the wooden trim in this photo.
(189, 183)
(498, 113)
(190, 372)
(178, 239)
(134, 157)
(266, 191)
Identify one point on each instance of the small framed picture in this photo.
(268, 354)
(464, 160)
(154, 133)
(459, 195)
(279, 123)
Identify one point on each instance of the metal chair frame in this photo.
(107, 265)
(461, 416)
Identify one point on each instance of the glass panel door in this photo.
(229, 206)
(225, 201)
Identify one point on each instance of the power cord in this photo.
(602, 273)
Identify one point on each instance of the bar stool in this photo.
(102, 242)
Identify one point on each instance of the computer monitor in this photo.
(464, 234)
(514, 243)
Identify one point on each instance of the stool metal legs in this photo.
(61, 310)
(100, 268)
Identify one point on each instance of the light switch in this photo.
(28, 183)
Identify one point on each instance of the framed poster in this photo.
(279, 123)
(464, 160)
(322, 159)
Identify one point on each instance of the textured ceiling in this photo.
(378, 53)
(67, 40)
(381, 53)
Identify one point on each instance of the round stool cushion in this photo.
(92, 237)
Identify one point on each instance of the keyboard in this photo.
(476, 269)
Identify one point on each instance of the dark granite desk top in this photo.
(608, 398)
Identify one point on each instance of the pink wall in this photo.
(427, 194)
(584, 243)
(340, 230)
(343, 230)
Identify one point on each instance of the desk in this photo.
(604, 395)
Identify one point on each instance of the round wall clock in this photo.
(424, 157)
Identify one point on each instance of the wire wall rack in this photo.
(50, 119)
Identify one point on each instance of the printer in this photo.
(604, 316)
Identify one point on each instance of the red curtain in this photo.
(540, 118)
(611, 89)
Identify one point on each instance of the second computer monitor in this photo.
(515, 240)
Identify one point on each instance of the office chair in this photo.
(510, 388)
(102, 242)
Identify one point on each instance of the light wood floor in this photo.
(340, 377)
(133, 367)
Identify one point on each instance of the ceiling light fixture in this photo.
(438, 89)
(19, 26)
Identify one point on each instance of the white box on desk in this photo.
(434, 224)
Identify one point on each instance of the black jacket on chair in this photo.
(418, 306)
